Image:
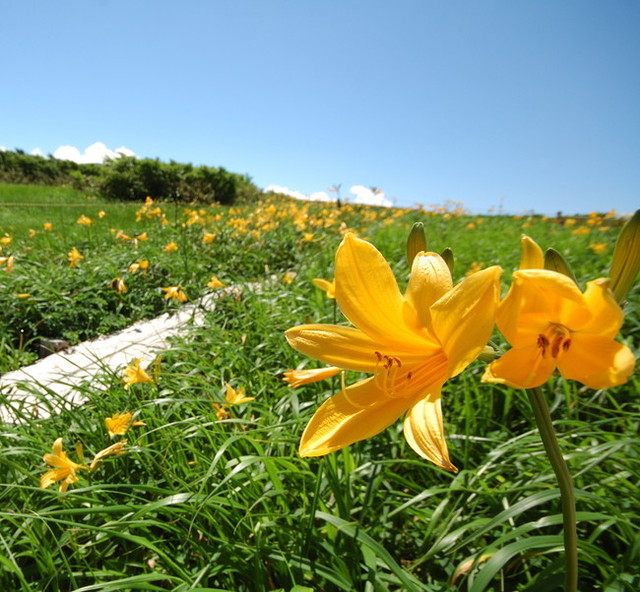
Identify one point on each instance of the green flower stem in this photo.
(567, 495)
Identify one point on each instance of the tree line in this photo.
(130, 178)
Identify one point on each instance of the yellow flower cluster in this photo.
(411, 344)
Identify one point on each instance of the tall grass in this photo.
(198, 502)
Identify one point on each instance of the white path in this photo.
(61, 373)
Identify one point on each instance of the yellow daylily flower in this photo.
(64, 468)
(122, 236)
(214, 283)
(175, 293)
(47, 225)
(84, 220)
(296, 378)
(119, 423)
(135, 374)
(551, 324)
(411, 343)
(170, 247)
(74, 256)
(208, 237)
(234, 397)
(329, 287)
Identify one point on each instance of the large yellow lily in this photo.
(411, 343)
(551, 324)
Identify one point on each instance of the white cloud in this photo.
(363, 195)
(37, 152)
(316, 196)
(96, 153)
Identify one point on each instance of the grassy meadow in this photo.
(208, 495)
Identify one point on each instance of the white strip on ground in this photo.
(57, 376)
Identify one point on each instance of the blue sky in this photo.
(521, 105)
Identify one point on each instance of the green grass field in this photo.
(200, 501)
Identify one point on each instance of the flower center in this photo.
(386, 374)
(556, 339)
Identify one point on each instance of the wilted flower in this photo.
(8, 263)
(139, 265)
(117, 284)
(113, 450)
(221, 411)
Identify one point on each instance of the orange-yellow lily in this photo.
(119, 423)
(134, 373)
(64, 468)
(411, 343)
(551, 324)
(175, 293)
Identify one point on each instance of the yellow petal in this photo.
(464, 317)
(521, 367)
(368, 295)
(296, 378)
(345, 347)
(52, 476)
(607, 316)
(430, 279)
(597, 362)
(536, 298)
(356, 413)
(424, 431)
(327, 286)
(531, 256)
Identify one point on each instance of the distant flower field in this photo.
(186, 475)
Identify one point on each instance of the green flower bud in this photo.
(416, 242)
(625, 263)
(447, 255)
(554, 261)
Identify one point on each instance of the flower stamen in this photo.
(557, 337)
(386, 376)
